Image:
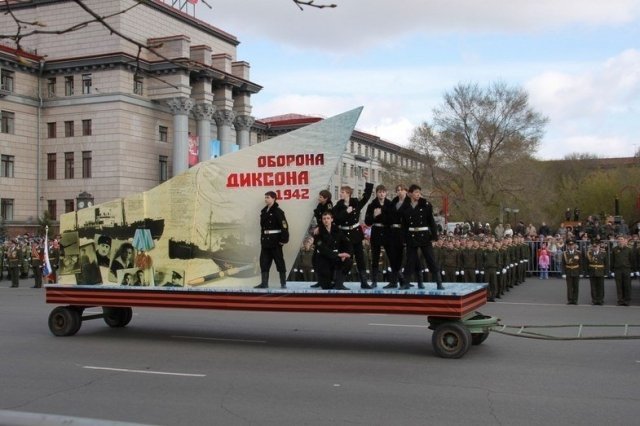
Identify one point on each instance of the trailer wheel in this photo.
(117, 317)
(478, 338)
(451, 340)
(65, 321)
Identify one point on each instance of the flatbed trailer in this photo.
(451, 313)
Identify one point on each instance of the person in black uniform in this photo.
(347, 216)
(324, 204)
(395, 240)
(420, 230)
(377, 217)
(274, 233)
(333, 254)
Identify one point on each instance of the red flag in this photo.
(192, 1)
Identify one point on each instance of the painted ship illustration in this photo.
(105, 224)
(224, 245)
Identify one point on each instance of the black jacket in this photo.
(272, 221)
(415, 220)
(343, 219)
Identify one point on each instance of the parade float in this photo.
(194, 241)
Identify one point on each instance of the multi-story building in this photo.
(111, 108)
(94, 111)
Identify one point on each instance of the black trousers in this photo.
(376, 248)
(413, 262)
(395, 249)
(269, 255)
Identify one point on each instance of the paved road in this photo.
(187, 367)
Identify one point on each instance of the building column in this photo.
(224, 119)
(243, 125)
(180, 108)
(203, 113)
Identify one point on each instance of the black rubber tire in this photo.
(117, 317)
(451, 340)
(478, 338)
(65, 321)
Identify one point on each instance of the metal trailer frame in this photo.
(452, 313)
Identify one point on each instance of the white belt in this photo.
(379, 225)
(349, 227)
(422, 228)
(396, 225)
(273, 231)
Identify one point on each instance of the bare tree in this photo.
(475, 141)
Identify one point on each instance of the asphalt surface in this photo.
(191, 367)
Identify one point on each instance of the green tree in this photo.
(476, 142)
(43, 222)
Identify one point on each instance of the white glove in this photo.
(482, 272)
(442, 272)
(313, 270)
(504, 270)
(631, 275)
(564, 276)
(457, 273)
(426, 270)
(477, 272)
(498, 273)
(613, 274)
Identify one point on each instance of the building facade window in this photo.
(69, 206)
(86, 127)
(6, 80)
(163, 133)
(164, 168)
(51, 87)
(7, 122)
(7, 166)
(353, 171)
(373, 175)
(6, 209)
(52, 208)
(68, 129)
(51, 130)
(138, 86)
(86, 164)
(344, 169)
(51, 166)
(86, 84)
(68, 85)
(68, 165)
(353, 147)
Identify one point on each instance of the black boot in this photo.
(393, 280)
(264, 280)
(374, 278)
(316, 285)
(283, 280)
(363, 281)
(439, 285)
(420, 283)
